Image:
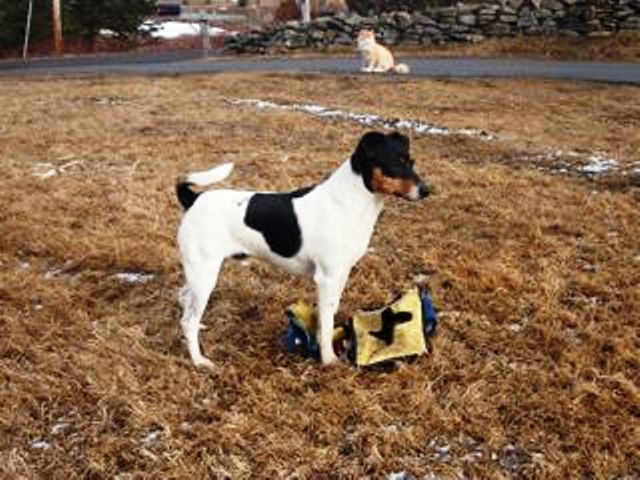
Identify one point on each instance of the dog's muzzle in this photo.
(419, 191)
(423, 190)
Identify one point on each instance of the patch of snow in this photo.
(561, 162)
(442, 453)
(59, 428)
(134, 277)
(472, 457)
(598, 165)
(367, 119)
(40, 444)
(170, 29)
(400, 476)
(432, 476)
(46, 169)
(174, 29)
(515, 458)
(53, 273)
(151, 438)
(213, 31)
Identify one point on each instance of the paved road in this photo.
(191, 62)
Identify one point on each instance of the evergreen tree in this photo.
(122, 17)
(13, 20)
(80, 18)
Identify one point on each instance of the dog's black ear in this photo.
(400, 141)
(369, 143)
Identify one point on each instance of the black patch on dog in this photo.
(186, 196)
(389, 153)
(239, 256)
(390, 320)
(273, 216)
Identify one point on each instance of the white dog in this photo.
(375, 57)
(321, 230)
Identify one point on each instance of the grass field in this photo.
(532, 258)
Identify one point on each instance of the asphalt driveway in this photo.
(194, 62)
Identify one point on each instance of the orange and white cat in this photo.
(376, 57)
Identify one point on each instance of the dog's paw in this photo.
(204, 362)
(329, 358)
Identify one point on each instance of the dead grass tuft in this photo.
(534, 373)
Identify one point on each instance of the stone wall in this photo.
(460, 23)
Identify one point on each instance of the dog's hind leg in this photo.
(201, 279)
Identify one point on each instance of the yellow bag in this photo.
(398, 330)
(391, 332)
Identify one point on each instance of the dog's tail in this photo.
(187, 196)
(401, 68)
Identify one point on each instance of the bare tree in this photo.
(305, 8)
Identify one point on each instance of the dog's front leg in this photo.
(330, 286)
(367, 63)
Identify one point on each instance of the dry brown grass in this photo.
(534, 373)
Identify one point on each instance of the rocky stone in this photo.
(388, 37)
(484, 20)
(458, 28)
(509, 11)
(444, 12)
(461, 23)
(543, 13)
(498, 30)
(352, 19)
(568, 33)
(508, 18)
(489, 10)
(599, 34)
(343, 39)
(431, 31)
(552, 4)
(423, 19)
(476, 38)
(631, 23)
(467, 19)
(464, 8)
(412, 38)
(403, 19)
(293, 24)
(526, 19)
(514, 4)
(295, 41)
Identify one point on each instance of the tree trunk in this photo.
(305, 9)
